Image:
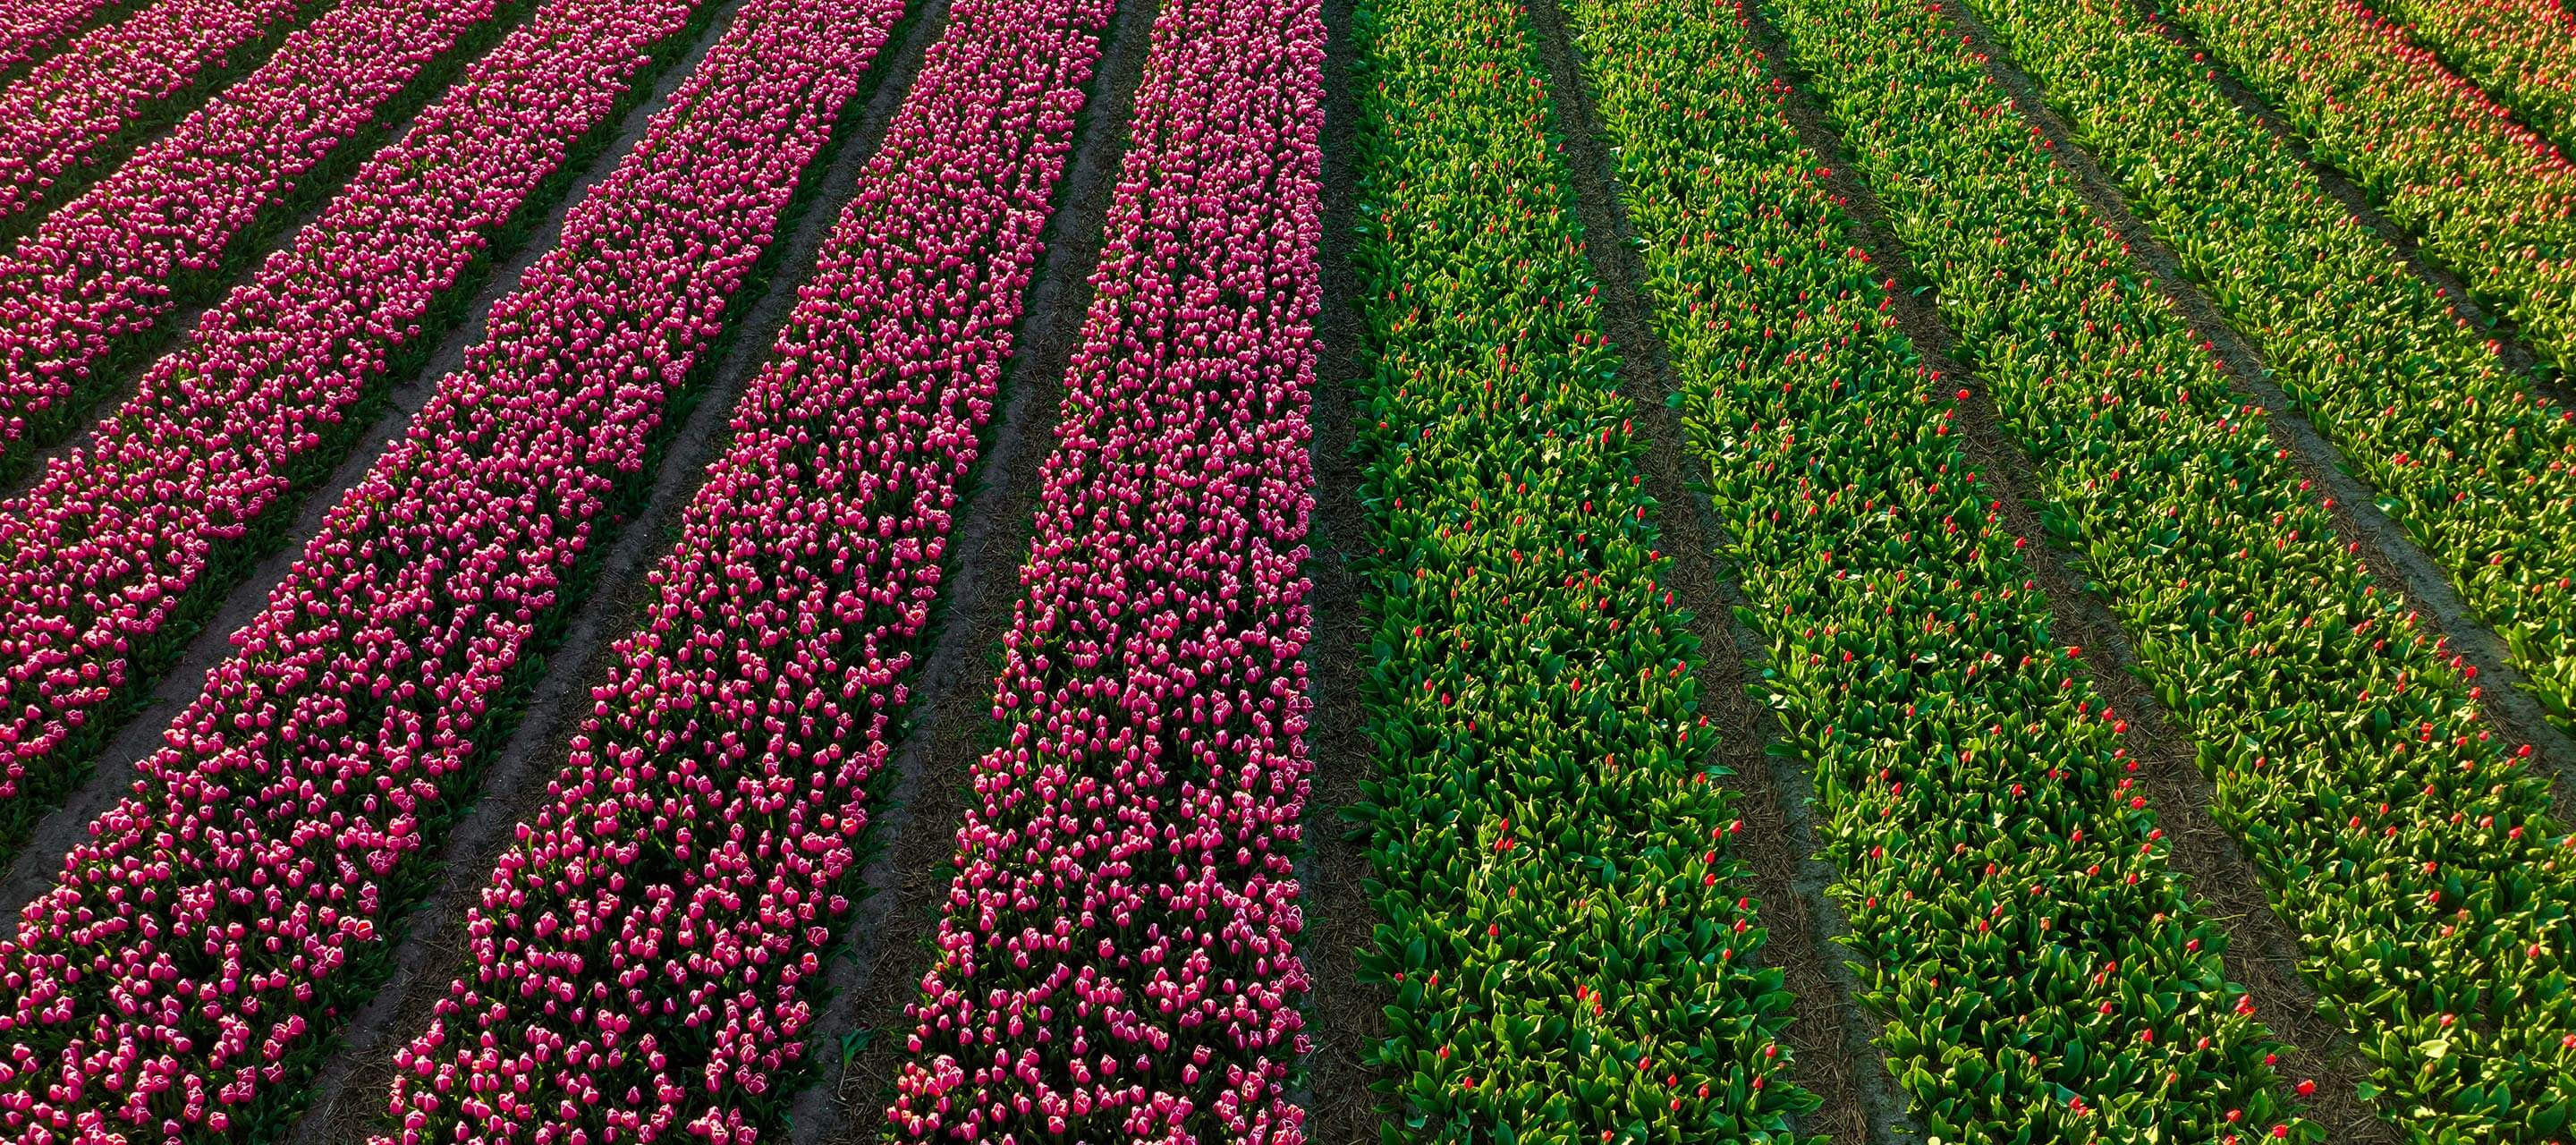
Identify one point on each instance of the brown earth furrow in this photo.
(1345, 1015)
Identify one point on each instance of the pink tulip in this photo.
(371, 674)
(30, 30)
(101, 268)
(57, 116)
(203, 449)
(1152, 687)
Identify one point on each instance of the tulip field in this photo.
(1480, 572)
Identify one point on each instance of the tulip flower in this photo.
(114, 81)
(773, 579)
(34, 30)
(264, 847)
(2479, 468)
(2441, 157)
(101, 270)
(1137, 828)
(263, 393)
(2522, 51)
(1532, 686)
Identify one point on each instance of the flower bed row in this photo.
(187, 971)
(105, 267)
(691, 871)
(2480, 473)
(2521, 51)
(2042, 969)
(1567, 937)
(2490, 199)
(1118, 955)
(2410, 850)
(110, 86)
(122, 547)
(29, 31)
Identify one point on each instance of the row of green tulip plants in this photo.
(2489, 198)
(2521, 51)
(2407, 846)
(2043, 973)
(1570, 948)
(2476, 469)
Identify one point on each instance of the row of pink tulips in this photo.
(191, 961)
(646, 957)
(1117, 959)
(57, 118)
(30, 29)
(110, 263)
(106, 559)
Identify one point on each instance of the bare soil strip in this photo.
(1345, 1017)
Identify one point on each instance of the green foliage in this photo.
(2480, 473)
(2524, 51)
(2043, 975)
(1572, 957)
(2413, 856)
(2489, 199)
